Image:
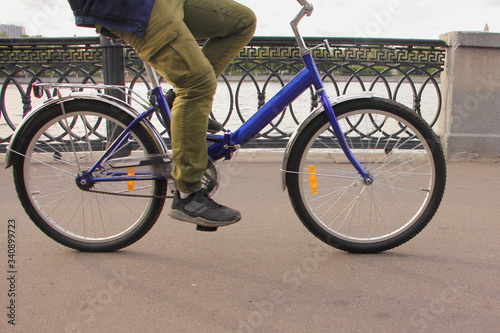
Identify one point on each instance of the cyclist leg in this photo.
(227, 25)
(170, 47)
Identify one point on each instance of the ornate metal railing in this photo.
(404, 70)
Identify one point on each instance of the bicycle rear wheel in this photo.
(401, 153)
(59, 145)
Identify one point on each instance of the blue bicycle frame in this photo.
(224, 145)
(308, 77)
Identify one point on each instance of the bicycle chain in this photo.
(132, 195)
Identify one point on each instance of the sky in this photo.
(421, 19)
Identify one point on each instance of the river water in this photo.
(246, 96)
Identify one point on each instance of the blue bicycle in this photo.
(364, 174)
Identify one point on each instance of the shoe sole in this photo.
(178, 215)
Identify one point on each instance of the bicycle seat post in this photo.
(152, 75)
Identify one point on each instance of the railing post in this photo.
(113, 66)
(113, 73)
(471, 94)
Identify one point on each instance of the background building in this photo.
(12, 30)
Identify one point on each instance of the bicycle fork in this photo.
(320, 90)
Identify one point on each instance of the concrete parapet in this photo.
(471, 93)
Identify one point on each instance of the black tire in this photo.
(402, 154)
(54, 147)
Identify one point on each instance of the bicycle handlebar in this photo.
(306, 10)
(306, 5)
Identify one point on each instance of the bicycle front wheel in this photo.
(401, 153)
(61, 144)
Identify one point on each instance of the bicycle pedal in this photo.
(206, 229)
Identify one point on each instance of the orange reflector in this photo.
(313, 182)
(131, 183)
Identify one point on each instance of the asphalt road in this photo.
(265, 274)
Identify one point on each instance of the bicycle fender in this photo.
(337, 101)
(103, 98)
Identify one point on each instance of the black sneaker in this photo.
(200, 209)
(213, 125)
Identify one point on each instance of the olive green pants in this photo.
(170, 46)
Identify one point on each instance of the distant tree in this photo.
(4, 34)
